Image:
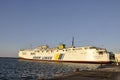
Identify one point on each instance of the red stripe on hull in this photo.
(92, 62)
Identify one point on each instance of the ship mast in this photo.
(72, 43)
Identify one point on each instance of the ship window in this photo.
(92, 47)
(87, 48)
(34, 57)
(32, 53)
(24, 53)
(79, 49)
(101, 53)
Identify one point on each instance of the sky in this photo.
(40, 22)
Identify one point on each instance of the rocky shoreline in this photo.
(89, 75)
(104, 72)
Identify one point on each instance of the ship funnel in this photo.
(61, 46)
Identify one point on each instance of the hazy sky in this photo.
(37, 22)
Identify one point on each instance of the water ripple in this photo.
(14, 69)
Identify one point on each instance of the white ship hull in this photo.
(76, 55)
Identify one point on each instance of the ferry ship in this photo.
(87, 54)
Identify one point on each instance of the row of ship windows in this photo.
(100, 53)
(58, 50)
(35, 53)
(30, 53)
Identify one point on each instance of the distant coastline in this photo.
(9, 57)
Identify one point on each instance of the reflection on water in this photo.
(14, 69)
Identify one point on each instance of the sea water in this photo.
(15, 69)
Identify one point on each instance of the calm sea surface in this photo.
(15, 69)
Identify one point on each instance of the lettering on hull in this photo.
(43, 57)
